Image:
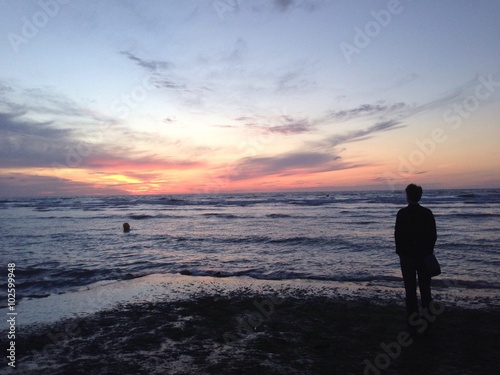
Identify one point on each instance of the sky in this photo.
(214, 96)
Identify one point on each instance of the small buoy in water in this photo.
(126, 227)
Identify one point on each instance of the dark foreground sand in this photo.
(243, 332)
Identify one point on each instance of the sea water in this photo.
(59, 244)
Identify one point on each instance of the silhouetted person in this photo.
(126, 227)
(415, 235)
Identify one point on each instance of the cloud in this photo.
(43, 102)
(203, 83)
(288, 125)
(283, 5)
(5, 88)
(363, 134)
(152, 66)
(287, 5)
(314, 156)
(238, 52)
(39, 127)
(244, 118)
(12, 123)
(280, 124)
(160, 71)
(293, 81)
(405, 80)
(22, 185)
(402, 111)
(165, 83)
(311, 160)
(28, 143)
(113, 162)
(365, 110)
(287, 164)
(306, 162)
(292, 127)
(454, 97)
(388, 117)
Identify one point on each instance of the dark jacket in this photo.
(415, 231)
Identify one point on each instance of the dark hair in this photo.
(414, 193)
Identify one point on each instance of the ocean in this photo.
(62, 244)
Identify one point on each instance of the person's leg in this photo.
(408, 270)
(424, 284)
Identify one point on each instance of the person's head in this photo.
(413, 193)
(126, 227)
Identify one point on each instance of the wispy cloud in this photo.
(287, 164)
(5, 88)
(153, 66)
(237, 53)
(401, 82)
(287, 5)
(365, 110)
(403, 111)
(114, 162)
(43, 102)
(160, 71)
(292, 127)
(456, 96)
(283, 5)
(280, 124)
(295, 80)
(362, 134)
(20, 184)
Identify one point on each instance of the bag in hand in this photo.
(432, 265)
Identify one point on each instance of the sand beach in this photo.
(205, 325)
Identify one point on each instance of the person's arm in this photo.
(398, 237)
(433, 231)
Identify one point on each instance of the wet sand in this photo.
(268, 330)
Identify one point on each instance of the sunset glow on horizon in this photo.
(212, 96)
